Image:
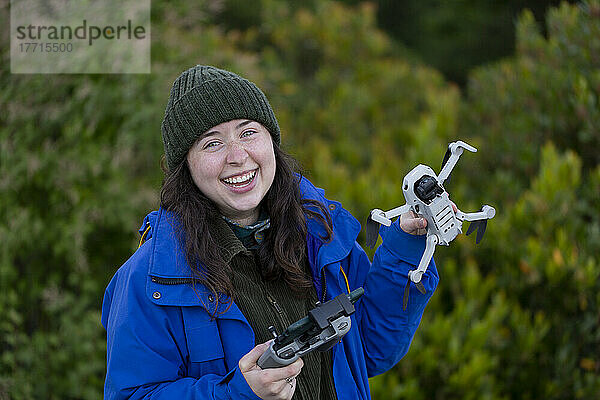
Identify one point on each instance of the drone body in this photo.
(427, 198)
(425, 195)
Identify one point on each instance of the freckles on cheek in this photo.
(206, 168)
(197, 168)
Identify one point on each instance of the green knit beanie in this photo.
(203, 97)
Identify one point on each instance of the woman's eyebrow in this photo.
(243, 123)
(213, 133)
(207, 134)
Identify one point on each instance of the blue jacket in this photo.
(163, 344)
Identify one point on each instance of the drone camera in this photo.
(427, 188)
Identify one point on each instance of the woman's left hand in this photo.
(414, 224)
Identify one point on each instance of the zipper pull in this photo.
(275, 304)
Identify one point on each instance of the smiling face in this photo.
(233, 164)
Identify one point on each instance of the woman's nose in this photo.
(236, 154)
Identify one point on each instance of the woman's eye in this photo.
(212, 144)
(248, 132)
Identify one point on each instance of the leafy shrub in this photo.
(517, 317)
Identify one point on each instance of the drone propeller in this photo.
(480, 227)
(420, 287)
(444, 161)
(372, 232)
(406, 291)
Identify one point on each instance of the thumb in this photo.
(412, 224)
(249, 360)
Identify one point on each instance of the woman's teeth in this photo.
(241, 179)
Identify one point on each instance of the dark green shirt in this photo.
(271, 303)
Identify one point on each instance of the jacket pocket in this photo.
(204, 343)
(205, 350)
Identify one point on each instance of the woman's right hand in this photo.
(272, 383)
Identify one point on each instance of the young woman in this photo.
(242, 242)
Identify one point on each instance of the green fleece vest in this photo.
(272, 303)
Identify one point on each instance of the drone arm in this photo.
(385, 217)
(416, 275)
(487, 212)
(395, 212)
(455, 149)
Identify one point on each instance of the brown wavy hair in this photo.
(283, 249)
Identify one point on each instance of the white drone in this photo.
(425, 195)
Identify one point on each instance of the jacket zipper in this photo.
(171, 281)
(181, 281)
(276, 305)
(323, 285)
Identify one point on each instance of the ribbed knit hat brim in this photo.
(203, 97)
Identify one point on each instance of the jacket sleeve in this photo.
(146, 351)
(386, 329)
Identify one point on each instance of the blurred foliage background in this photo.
(363, 92)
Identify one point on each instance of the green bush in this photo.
(517, 317)
(548, 91)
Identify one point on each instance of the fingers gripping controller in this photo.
(425, 196)
(324, 326)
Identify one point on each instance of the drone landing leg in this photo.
(416, 275)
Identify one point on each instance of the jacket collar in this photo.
(167, 258)
(345, 228)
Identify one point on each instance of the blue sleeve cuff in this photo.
(406, 247)
(237, 387)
